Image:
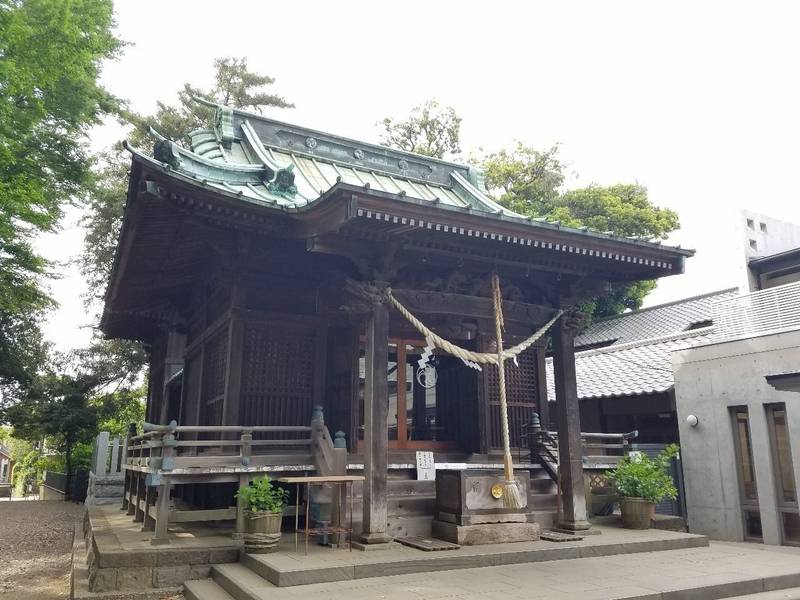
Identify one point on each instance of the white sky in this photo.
(697, 101)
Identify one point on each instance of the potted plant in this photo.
(643, 482)
(263, 509)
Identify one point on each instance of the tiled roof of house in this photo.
(640, 367)
(654, 321)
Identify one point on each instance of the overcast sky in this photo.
(697, 101)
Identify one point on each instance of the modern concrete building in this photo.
(754, 236)
(739, 419)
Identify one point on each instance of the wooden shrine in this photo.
(254, 264)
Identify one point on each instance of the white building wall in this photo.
(709, 380)
(760, 235)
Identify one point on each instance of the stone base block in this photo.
(357, 545)
(486, 533)
(590, 531)
(374, 538)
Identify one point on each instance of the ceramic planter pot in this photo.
(262, 531)
(637, 513)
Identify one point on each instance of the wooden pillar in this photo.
(376, 442)
(161, 528)
(173, 362)
(570, 452)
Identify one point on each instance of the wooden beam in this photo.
(442, 303)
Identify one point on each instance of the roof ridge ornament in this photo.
(223, 125)
(164, 151)
(283, 184)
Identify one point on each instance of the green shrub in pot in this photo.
(643, 482)
(264, 503)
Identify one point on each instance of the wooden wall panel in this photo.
(279, 375)
(522, 391)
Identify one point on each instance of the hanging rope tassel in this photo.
(512, 498)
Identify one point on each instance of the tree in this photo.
(430, 129)
(58, 407)
(528, 180)
(49, 95)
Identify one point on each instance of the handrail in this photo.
(160, 445)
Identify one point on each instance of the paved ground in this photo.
(735, 567)
(35, 548)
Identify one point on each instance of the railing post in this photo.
(168, 446)
(246, 448)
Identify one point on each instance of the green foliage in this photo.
(639, 476)
(527, 180)
(430, 129)
(263, 495)
(118, 409)
(49, 95)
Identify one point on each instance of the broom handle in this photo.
(508, 467)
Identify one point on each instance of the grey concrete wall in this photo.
(708, 381)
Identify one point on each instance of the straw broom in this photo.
(512, 498)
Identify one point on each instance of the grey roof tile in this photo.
(640, 367)
(654, 321)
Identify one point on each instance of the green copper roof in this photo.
(281, 164)
(289, 167)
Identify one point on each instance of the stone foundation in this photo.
(485, 533)
(105, 490)
(112, 568)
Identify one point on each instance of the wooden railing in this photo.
(170, 447)
(164, 456)
(600, 450)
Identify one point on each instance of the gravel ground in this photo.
(35, 548)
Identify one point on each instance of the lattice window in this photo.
(278, 376)
(215, 359)
(521, 390)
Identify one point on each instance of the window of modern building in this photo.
(751, 224)
(753, 244)
(763, 227)
(786, 492)
(751, 512)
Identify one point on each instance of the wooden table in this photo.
(336, 480)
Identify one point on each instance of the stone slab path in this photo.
(722, 570)
(35, 548)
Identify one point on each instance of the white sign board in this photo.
(426, 468)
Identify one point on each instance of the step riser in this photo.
(231, 586)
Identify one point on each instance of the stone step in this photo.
(286, 571)
(542, 501)
(787, 594)
(546, 518)
(409, 526)
(205, 589)
(240, 582)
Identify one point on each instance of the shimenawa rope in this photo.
(511, 494)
